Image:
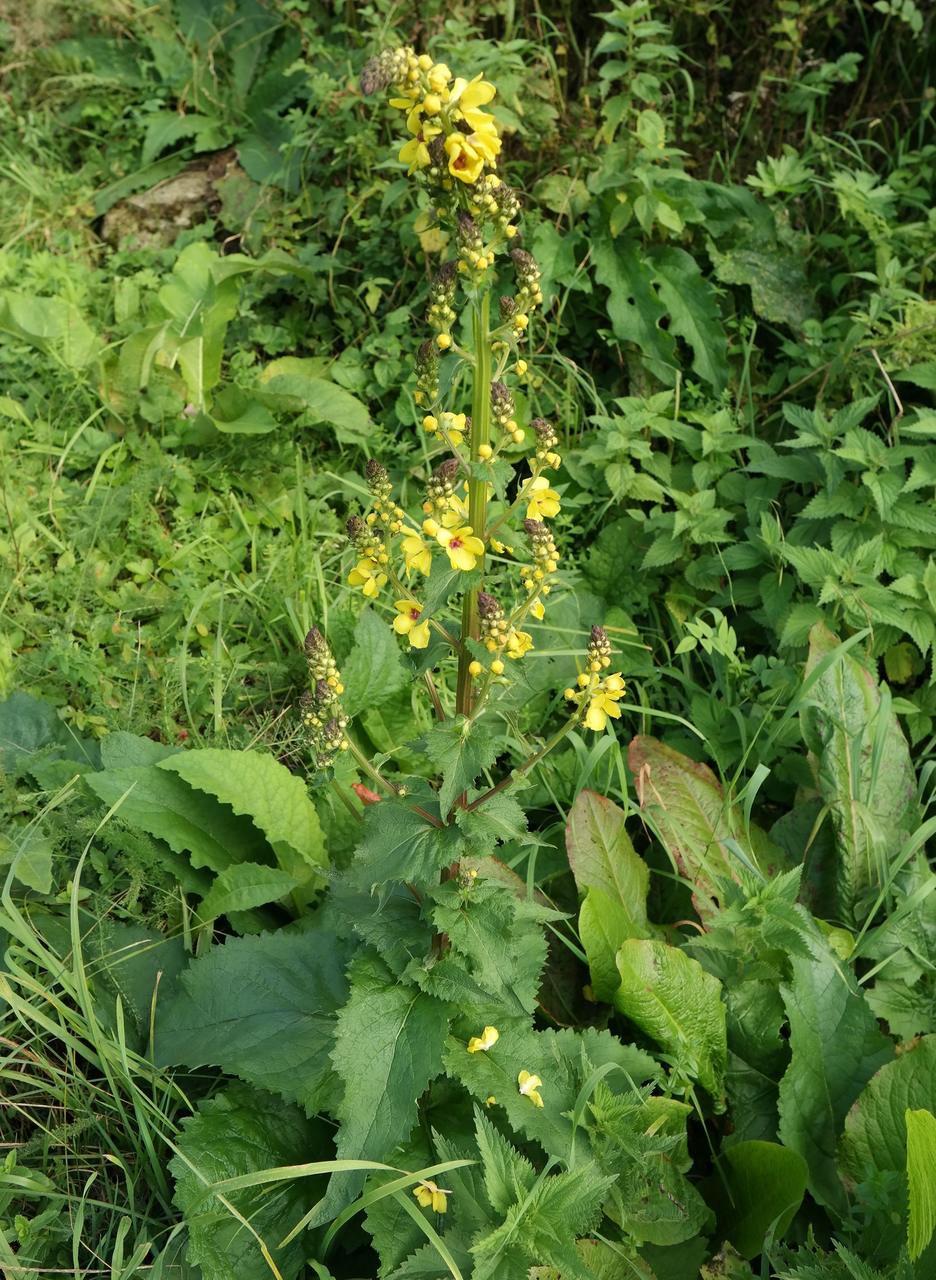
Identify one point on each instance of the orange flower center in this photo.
(455, 543)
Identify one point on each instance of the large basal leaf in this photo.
(244, 887)
(238, 1132)
(388, 1047)
(634, 309)
(374, 670)
(780, 291)
(693, 311)
(258, 787)
(162, 804)
(758, 1189)
(875, 1138)
(836, 1048)
(295, 383)
(864, 771)
(31, 729)
(684, 801)
(264, 1009)
(615, 882)
(671, 998)
(51, 325)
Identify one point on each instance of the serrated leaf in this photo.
(508, 1175)
(615, 882)
(374, 670)
(460, 748)
(164, 805)
(498, 820)
(243, 887)
(263, 1008)
(399, 844)
(865, 773)
(836, 1048)
(236, 1132)
(671, 998)
(258, 787)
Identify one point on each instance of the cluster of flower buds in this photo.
(545, 559)
(470, 244)
(529, 294)
(598, 696)
(384, 513)
(546, 442)
(427, 373)
(441, 487)
(388, 67)
(441, 312)
(494, 199)
(493, 622)
(503, 410)
(323, 718)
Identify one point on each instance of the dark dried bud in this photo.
(323, 691)
(469, 237)
(437, 156)
(354, 528)
(487, 605)
(427, 356)
(375, 75)
(374, 472)
(524, 262)
(535, 528)
(446, 472)
(508, 308)
(315, 642)
(444, 278)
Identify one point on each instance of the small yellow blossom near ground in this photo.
(486, 1040)
(530, 1085)
(461, 546)
(489, 1102)
(542, 502)
(368, 575)
(409, 622)
(430, 1196)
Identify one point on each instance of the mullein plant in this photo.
(449, 946)
(500, 550)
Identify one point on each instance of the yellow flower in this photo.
(453, 424)
(407, 623)
(538, 609)
(430, 1196)
(603, 703)
(486, 140)
(416, 554)
(489, 1102)
(415, 153)
(529, 1085)
(469, 94)
(438, 77)
(518, 643)
(462, 548)
(486, 1040)
(542, 502)
(465, 160)
(368, 575)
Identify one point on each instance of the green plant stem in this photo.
(527, 765)
(477, 486)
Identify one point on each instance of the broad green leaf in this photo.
(864, 770)
(201, 307)
(31, 859)
(693, 310)
(615, 882)
(237, 1132)
(137, 964)
(921, 1180)
(297, 385)
(388, 1048)
(875, 1135)
(780, 291)
(50, 324)
(836, 1048)
(257, 786)
(671, 998)
(120, 750)
(758, 1188)
(30, 729)
(399, 844)
(460, 748)
(262, 1008)
(684, 801)
(162, 804)
(235, 413)
(243, 887)
(374, 670)
(634, 309)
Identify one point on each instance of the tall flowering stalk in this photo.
(474, 508)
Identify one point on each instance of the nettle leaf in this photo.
(875, 1138)
(498, 936)
(236, 1132)
(263, 1008)
(615, 882)
(684, 800)
(460, 749)
(165, 806)
(388, 1047)
(374, 670)
(693, 310)
(497, 821)
(508, 1175)
(758, 1189)
(865, 773)
(674, 1001)
(400, 844)
(258, 787)
(836, 1048)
